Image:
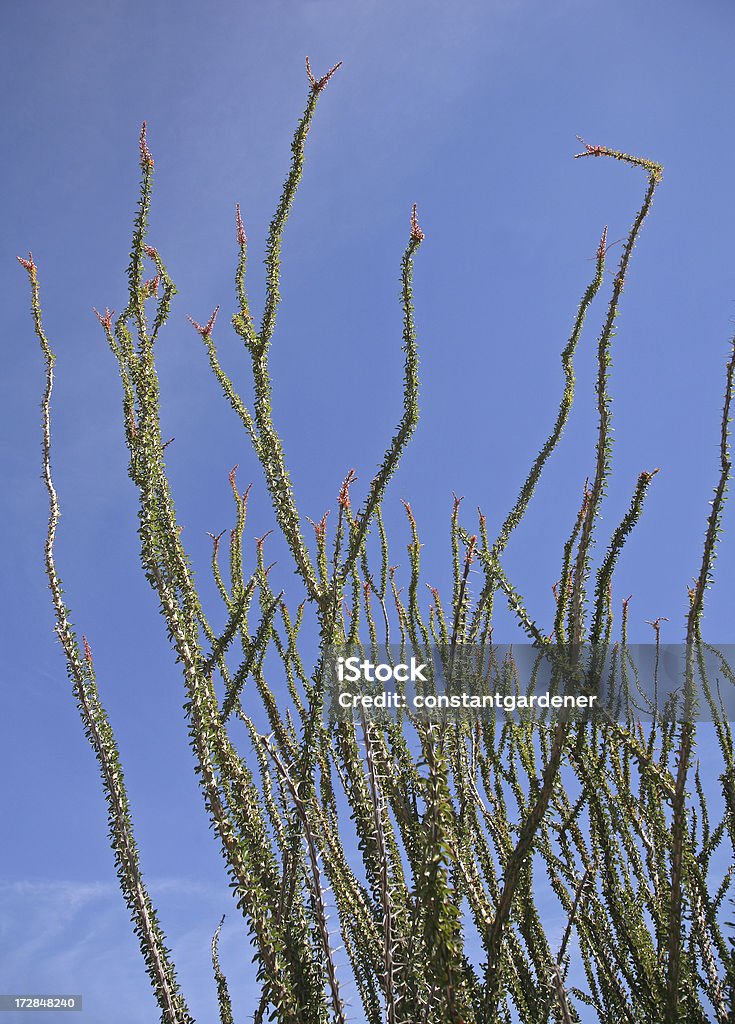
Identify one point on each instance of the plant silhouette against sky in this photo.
(414, 856)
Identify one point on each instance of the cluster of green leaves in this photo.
(421, 841)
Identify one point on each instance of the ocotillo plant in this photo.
(425, 843)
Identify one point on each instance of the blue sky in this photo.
(470, 110)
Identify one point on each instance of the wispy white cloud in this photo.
(75, 937)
